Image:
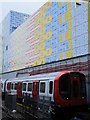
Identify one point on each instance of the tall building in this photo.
(0, 50)
(10, 23)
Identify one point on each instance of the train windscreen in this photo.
(72, 85)
(65, 86)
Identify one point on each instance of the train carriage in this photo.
(66, 89)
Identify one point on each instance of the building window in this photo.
(13, 28)
(6, 47)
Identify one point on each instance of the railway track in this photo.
(23, 114)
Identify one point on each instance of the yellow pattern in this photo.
(77, 1)
(61, 38)
(70, 44)
(60, 4)
(42, 31)
(43, 61)
(68, 34)
(69, 5)
(48, 20)
(68, 15)
(47, 5)
(60, 20)
(69, 24)
(35, 63)
(48, 51)
(36, 34)
(69, 54)
(61, 56)
(48, 35)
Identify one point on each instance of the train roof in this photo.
(45, 76)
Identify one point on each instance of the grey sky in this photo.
(24, 7)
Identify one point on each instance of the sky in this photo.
(24, 6)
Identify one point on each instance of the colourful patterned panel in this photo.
(57, 31)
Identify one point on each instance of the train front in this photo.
(70, 89)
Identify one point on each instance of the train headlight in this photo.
(67, 98)
(83, 97)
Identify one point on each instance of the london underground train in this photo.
(66, 89)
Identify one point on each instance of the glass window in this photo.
(13, 28)
(6, 47)
(12, 86)
(24, 86)
(15, 87)
(29, 86)
(65, 86)
(50, 87)
(2, 85)
(9, 86)
(82, 86)
(75, 88)
(42, 87)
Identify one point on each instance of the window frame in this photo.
(46, 88)
(65, 86)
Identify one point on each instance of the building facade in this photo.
(10, 24)
(57, 31)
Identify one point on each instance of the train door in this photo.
(19, 90)
(8, 87)
(78, 88)
(35, 91)
(43, 88)
(50, 91)
(75, 83)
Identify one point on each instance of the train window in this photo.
(65, 86)
(75, 89)
(50, 87)
(24, 87)
(12, 86)
(9, 86)
(82, 86)
(2, 85)
(29, 86)
(15, 87)
(42, 87)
